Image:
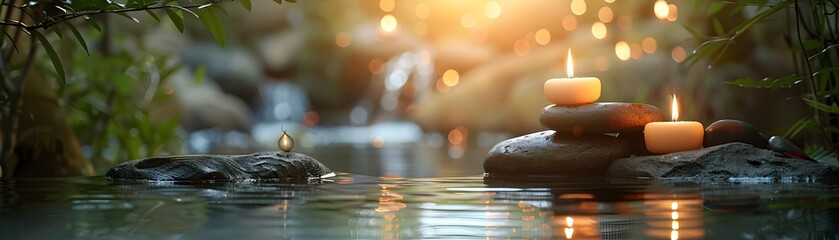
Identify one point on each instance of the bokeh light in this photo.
(388, 23)
(598, 30)
(649, 44)
(678, 54)
(343, 39)
(673, 13)
(422, 11)
(543, 36)
(451, 78)
(622, 50)
(387, 5)
(661, 9)
(569, 23)
(492, 9)
(521, 47)
(376, 66)
(468, 20)
(605, 14)
(578, 7)
(635, 51)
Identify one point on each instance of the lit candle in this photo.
(571, 90)
(675, 136)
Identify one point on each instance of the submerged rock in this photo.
(729, 131)
(257, 166)
(733, 160)
(600, 117)
(549, 152)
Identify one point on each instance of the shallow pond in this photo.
(355, 206)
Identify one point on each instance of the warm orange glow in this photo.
(311, 118)
(678, 54)
(441, 86)
(673, 13)
(674, 114)
(674, 225)
(569, 221)
(376, 66)
(605, 14)
(343, 39)
(625, 23)
(661, 9)
(451, 78)
(569, 233)
(421, 28)
(492, 9)
(578, 7)
(543, 36)
(468, 20)
(635, 51)
(675, 205)
(601, 63)
(521, 47)
(609, 1)
(598, 30)
(674, 215)
(674, 235)
(388, 23)
(387, 5)
(569, 23)
(622, 50)
(457, 136)
(649, 45)
(422, 11)
(569, 65)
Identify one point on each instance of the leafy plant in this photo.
(814, 37)
(33, 28)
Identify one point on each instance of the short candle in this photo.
(572, 90)
(675, 136)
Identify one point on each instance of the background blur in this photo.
(379, 86)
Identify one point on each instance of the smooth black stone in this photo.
(609, 117)
(733, 160)
(636, 143)
(549, 152)
(783, 145)
(729, 131)
(257, 166)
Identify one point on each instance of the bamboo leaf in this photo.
(822, 106)
(801, 124)
(176, 19)
(714, 8)
(153, 15)
(246, 4)
(78, 37)
(94, 24)
(56, 61)
(278, 1)
(718, 29)
(57, 32)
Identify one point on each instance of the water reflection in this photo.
(363, 207)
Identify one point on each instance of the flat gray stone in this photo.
(257, 166)
(732, 160)
(549, 152)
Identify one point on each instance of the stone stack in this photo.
(584, 140)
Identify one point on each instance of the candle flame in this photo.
(569, 65)
(674, 109)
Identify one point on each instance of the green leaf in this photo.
(78, 36)
(811, 44)
(714, 8)
(135, 20)
(801, 124)
(200, 74)
(176, 19)
(278, 1)
(718, 29)
(211, 22)
(153, 15)
(56, 61)
(220, 9)
(94, 24)
(57, 32)
(822, 106)
(291, 1)
(246, 4)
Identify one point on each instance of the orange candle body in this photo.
(572, 91)
(668, 137)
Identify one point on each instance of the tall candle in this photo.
(675, 136)
(572, 90)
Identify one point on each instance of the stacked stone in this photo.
(584, 139)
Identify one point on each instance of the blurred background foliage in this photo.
(453, 76)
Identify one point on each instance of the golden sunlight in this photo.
(388, 23)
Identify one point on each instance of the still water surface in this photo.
(355, 206)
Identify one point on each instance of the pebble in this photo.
(600, 117)
(729, 131)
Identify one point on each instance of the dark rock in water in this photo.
(257, 166)
(600, 117)
(729, 131)
(720, 162)
(782, 145)
(549, 152)
(635, 141)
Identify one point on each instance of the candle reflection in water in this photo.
(676, 217)
(389, 204)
